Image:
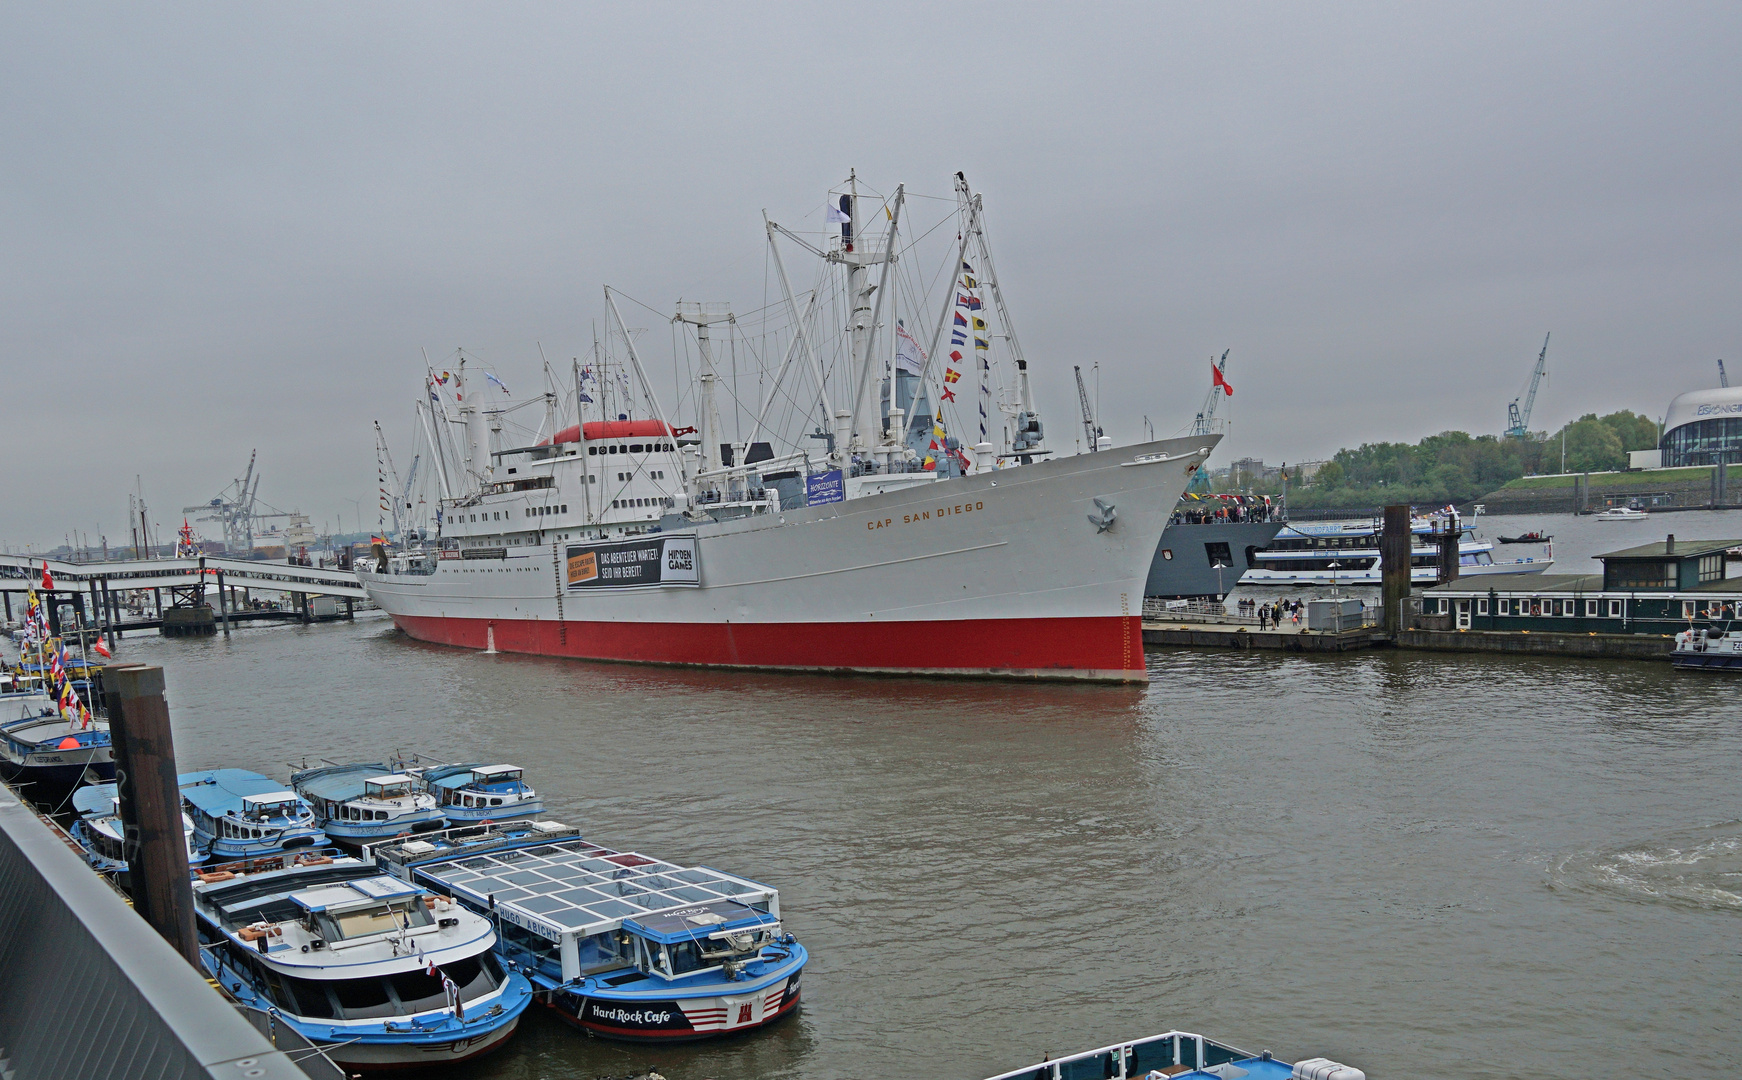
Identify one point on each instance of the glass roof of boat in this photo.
(573, 886)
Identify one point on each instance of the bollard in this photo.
(150, 799)
(1394, 551)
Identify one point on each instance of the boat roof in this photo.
(458, 776)
(95, 799)
(572, 887)
(387, 778)
(358, 892)
(1660, 549)
(336, 782)
(221, 791)
(1305, 529)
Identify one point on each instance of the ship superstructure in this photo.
(907, 516)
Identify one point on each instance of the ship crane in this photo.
(1518, 420)
(1091, 430)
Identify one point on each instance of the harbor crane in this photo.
(234, 510)
(1518, 420)
(1723, 379)
(1091, 429)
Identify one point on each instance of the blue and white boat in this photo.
(1347, 553)
(377, 973)
(239, 814)
(1179, 1055)
(100, 833)
(357, 804)
(621, 944)
(479, 793)
(39, 746)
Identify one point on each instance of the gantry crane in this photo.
(1091, 429)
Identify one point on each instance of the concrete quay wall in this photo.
(1616, 646)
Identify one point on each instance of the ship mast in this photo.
(702, 316)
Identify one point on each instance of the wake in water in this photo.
(1702, 869)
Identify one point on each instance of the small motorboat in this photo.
(1180, 1055)
(39, 746)
(1622, 513)
(239, 814)
(1708, 648)
(1526, 538)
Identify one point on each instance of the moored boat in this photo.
(621, 944)
(477, 793)
(39, 746)
(376, 972)
(1622, 513)
(238, 814)
(100, 832)
(1179, 1055)
(858, 548)
(359, 803)
(1708, 648)
(1347, 553)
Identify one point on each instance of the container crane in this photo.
(1518, 420)
(1091, 430)
(1723, 379)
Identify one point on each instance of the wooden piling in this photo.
(224, 603)
(150, 803)
(1394, 551)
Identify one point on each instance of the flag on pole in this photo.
(948, 395)
(960, 319)
(497, 381)
(909, 357)
(980, 343)
(47, 579)
(1216, 380)
(838, 215)
(102, 649)
(952, 375)
(972, 303)
(979, 323)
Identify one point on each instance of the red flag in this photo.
(102, 649)
(47, 581)
(1217, 380)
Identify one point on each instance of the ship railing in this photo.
(1121, 1061)
(1156, 607)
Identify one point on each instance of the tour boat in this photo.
(239, 814)
(621, 944)
(1179, 1055)
(922, 527)
(375, 972)
(1347, 553)
(355, 804)
(39, 746)
(100, 833)
(1622, 513)
(477, 793)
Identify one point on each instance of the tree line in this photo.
(1455, 466)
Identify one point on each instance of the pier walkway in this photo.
(89, 990)
(20, 573)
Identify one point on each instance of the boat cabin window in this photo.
(386, 789)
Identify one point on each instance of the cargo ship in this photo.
(914, 533)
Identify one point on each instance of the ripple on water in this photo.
(1701, 869)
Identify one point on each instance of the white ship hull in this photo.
(997, 574)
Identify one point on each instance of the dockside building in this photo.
(1656, 588)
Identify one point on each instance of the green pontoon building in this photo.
(1656, 588)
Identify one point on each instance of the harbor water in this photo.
(1430, 865)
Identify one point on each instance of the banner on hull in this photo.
(631, 564)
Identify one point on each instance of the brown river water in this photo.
(1424, 865)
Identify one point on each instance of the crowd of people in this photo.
(1221, 512)
(1274, 613)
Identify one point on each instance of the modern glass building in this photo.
(1703, 427)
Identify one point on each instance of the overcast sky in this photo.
(235, 225)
